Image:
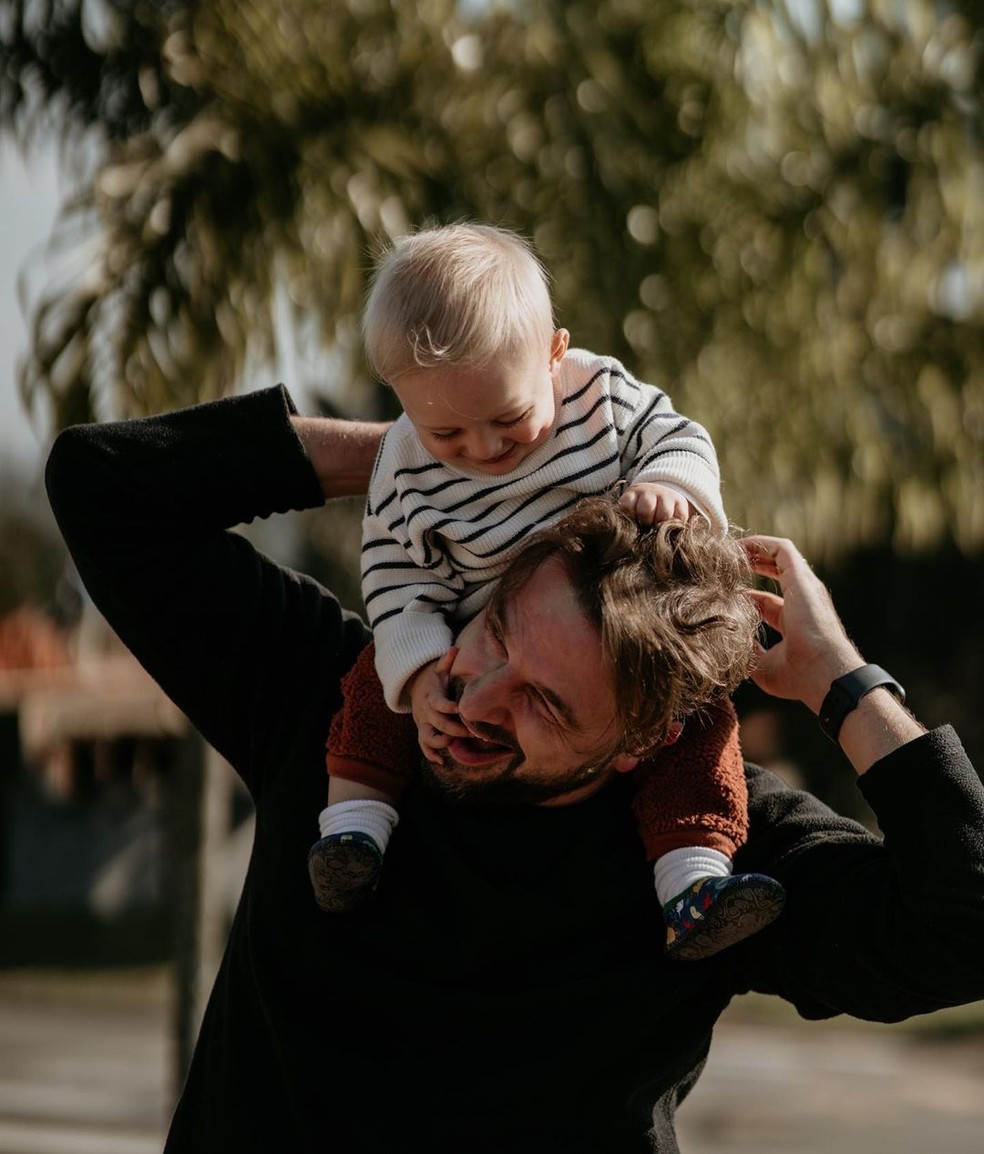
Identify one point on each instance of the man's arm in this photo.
(880, 929)
(341, 452)
(250, 651)
(814, 650)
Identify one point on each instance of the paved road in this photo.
(83, 1065)
(825, 1088)
(84, 1070)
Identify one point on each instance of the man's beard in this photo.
(502, 788)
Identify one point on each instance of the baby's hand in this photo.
(651, 503)
(433, 711)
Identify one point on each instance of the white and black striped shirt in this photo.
(435, 537)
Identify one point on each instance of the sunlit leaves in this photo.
(254, 147)
(777, 216)
(774, 210)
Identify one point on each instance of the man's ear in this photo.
(625, 763)
(673, 733)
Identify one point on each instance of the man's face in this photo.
(537, 699)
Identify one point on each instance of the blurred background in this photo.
(774, 209)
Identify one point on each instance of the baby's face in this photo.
(485, 419)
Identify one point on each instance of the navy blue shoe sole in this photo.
(743, 909)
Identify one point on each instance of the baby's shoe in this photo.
(717, 912)
(344, 869)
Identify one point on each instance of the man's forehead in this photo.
(559, 649)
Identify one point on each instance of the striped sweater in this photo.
(436, 536)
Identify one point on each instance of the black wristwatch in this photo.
(845, 693)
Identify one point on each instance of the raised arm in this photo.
(249, 650)
(878, 928)
(815, 651)
(341, 452)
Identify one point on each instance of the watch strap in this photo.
(845, 693)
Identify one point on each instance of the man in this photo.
(507, 991)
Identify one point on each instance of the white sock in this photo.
(375, 818)
(681, 868)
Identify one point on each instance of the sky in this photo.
(29, 198)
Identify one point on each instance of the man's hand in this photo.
(814, 646)
(814, 649)
(650, 503)
(434, 713)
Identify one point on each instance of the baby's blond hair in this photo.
(455, 295)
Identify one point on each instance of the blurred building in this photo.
(91, 796)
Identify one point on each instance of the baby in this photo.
(504, 429)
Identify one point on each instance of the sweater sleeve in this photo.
(408, 580)
(659, 445)
(406, 604)
(250, 651)
(879, 928)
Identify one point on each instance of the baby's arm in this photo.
(406, 598)
(407, 593)
(660, 448)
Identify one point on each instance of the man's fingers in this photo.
(769, 556)
(759, 544)
(769, 605)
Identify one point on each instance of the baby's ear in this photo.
(558, 347)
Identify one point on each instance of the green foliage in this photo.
(774, 211)
(249, 146)
(780, 222)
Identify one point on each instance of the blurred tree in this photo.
(773, 208)
(775, 211)
(240, 157)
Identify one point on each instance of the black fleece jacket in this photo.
(507, 991)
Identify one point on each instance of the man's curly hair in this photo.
(670, 602)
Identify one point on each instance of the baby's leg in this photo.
(691, 806)
(715, 911)
(341, 790)
(371, 752)
(346, 862)
(356, 808)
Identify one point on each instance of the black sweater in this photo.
(507, 991)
